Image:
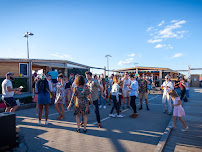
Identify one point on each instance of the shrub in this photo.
(17, 83)
(25, 100)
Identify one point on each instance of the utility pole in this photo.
(27, 35)
(107, 56)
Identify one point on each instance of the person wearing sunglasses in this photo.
(167, 86)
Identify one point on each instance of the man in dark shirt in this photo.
(177, 85)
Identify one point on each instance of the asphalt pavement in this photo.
(118, 134)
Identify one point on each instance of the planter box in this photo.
(22, 107)
(2, 105)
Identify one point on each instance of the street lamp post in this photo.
(27, 35)
(107, 56)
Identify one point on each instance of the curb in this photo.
(164, 138)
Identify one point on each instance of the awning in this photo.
(59, 65)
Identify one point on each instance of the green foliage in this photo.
(17, 83)
(25, 100)
(77, 71)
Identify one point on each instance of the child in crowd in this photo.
(178, 109)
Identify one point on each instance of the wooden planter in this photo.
(2, 105)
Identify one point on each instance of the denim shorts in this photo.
(9, 102)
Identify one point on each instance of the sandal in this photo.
(62, 117)
(59, 117)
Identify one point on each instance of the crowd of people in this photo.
(79, 92)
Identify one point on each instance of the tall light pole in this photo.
(107, 56)
(27, 35)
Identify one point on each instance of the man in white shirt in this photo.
(8, 93)
(126, 84)
(167, 86)
(133, 95)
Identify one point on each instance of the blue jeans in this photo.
(96, 108)
(101, 100)
(116, 105)
(187, 93)
(178, 91)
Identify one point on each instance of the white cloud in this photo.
(64, 56)
(173, 21)
(168, 31)
(162, 22)
(150, 28)
(173, 30)
(181, 34)
(158, 46)
(154, 41)
(177, 55)
(127, 61)
(132, 55)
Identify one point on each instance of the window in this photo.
(23, 69)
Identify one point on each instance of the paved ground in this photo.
(191, 140)
(117, 134)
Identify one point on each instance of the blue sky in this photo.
(151, 32)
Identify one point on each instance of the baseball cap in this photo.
(9, 73)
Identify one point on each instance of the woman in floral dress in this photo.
(80, 98)
(60, 97)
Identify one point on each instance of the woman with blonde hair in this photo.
(178, 109)
(115, 98)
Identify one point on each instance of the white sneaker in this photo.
(46, 123)
(119, 116)
(39, 123)
(104, 107)
(112, 115)
(186, 129)
(100, 106)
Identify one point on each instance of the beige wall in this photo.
(9, 67)
(12, 67)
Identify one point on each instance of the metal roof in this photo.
(143, 68)
(45, 62)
